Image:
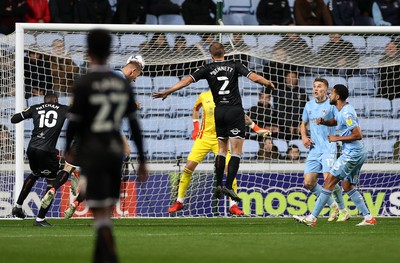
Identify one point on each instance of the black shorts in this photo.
(102, 170)
(42, 163)
(229, 122)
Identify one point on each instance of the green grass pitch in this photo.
(191, 240)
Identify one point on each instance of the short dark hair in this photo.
(50, 98)
(342, 91)
(292, 147)
(99, 44)
(323, 81)
(217, 50)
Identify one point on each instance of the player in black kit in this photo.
(48, 119)
(222, 77)
(101, 100)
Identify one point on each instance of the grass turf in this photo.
(205, 240)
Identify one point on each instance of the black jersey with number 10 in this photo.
(48, 120)
(222, 78)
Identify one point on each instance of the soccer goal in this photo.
(39, 58)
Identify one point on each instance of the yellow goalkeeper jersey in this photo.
(207, 128)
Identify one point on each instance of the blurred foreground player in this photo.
(101, 100)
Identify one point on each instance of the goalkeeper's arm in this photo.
(261, 132)
(196, 121)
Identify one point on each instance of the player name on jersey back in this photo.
(109, 84)
(43, 106)
(221, 68)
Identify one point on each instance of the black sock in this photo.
(62, 177)
(43, 211)
(26, 188)
(105, 247)
(233, 167)
(80, 198)
(219, 168)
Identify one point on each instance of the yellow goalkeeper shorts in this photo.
(201, 147)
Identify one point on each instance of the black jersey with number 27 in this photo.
(101, 100)
(222, 77)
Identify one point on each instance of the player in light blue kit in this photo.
(132, 69)
(348, 165)
(322, 153)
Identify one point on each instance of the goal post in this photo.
(268, 187)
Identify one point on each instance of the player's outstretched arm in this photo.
(261, 80)
(20, 116)
(260, 131)
(181, 84)
(16, 118)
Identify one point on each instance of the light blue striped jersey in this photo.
(347, 120)
(319, 133)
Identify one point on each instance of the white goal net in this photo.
(48, 58)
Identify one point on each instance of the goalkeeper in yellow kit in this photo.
(206, 141)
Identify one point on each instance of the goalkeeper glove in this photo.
(196, 128)
(259, 131)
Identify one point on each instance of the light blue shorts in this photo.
(319, 162)
(348, 166)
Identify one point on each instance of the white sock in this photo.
(231, 203)
(19, 206)
(180, 200)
